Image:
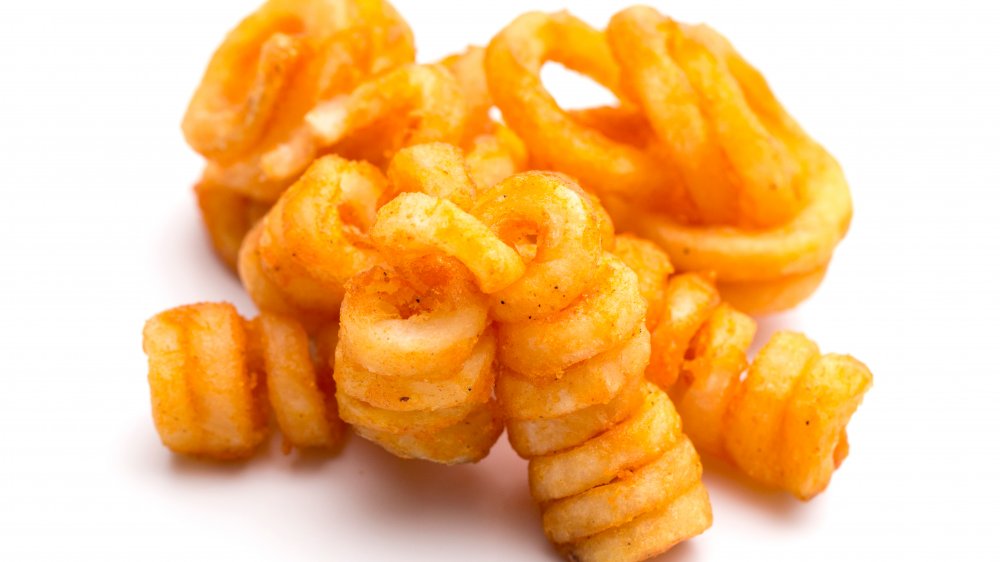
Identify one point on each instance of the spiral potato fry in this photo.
(700, 157)
(785, 424)
(556, 140)
(699, 352)
(572, 389)
(213, 375)
(313, 240)
(248, 114)
(415, 365)
(734, 169)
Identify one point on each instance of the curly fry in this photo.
(602, 443)
(555, 139)
(212, 377)
(313, 240)
(248, 114)
(736, 172)
(699, 353)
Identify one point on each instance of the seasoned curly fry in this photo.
(566, 248)
(598, 437)
(554, 138)
(300, 396)
(313, 240)
(248, 114)
(212, 377)
(734, 170)
(699, 353)
(206, 400)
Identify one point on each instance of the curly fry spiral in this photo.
(415, 365)
(313, 240)
(783, 425)
(700, 157)
(555, 138)
(571, 385)
(248, 114)
(212, 376)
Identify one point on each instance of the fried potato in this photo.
(248, 114)
(391, 329)
(629, 445)
(593, 382)
(557, 141)
(473, 382)
(494, 156)
(545, 436)
(360, 414)
(554, 228)
(437, 169)
(736, 172)
(652, 267)
(650, 534)
(469, 70)
(774, 295)
(468, 441)
(709, 379)
(415, 225)
(206, 401)
(301, 402)
(604, 316)
(631, 495)
(690, 299)
(786, 425)
(264, 293)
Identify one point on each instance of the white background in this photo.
(98, 231)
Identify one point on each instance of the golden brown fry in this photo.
(750, 421)
(593, 382)
(206, 400)
(554, 138)
(248, 114)
(414, 226)
(313, 240)
(603, 316)
(786, 424)
(390, 328)
(467, 441)
(300, 400)
(437, 169)
(734, 170)
(599, 439)
(649, 534)
(553, 227)
(690, 299)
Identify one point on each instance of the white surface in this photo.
(99, 231)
